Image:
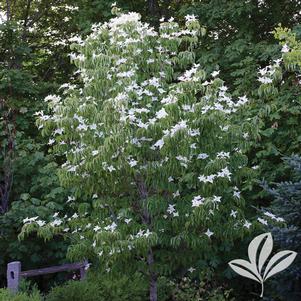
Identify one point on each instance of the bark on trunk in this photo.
(146, 219)
(153, 287)
(152, 7)
(6, 174)
(8, 7)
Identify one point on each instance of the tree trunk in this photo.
(8, 8)
(6, 174)
(146, 219)
(153, 287)
(152, 7)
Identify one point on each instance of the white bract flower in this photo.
(197, 201)
(285, 48)
(202, 156)
(262, 221)
(247, 224)
(209, 233)
(215, 73)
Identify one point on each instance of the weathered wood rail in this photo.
(15, 273)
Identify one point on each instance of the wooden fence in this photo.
(15, 273)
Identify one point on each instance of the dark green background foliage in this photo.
(287, 203)
(34, 62)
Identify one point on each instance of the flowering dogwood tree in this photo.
(151, 151)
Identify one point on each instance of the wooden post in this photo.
(13, 276)
(83, 269)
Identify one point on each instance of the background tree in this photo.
(286, 203)
(32, 64)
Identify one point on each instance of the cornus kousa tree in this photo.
(151, 151)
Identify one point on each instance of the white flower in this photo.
(127, 220)
(265, 80)
(159, 144)
(70, 199)
(206, 179)
(170, 179)
(191, 270)
(285, 48)
(176, 194)
(96, 228)
(56, 222)
(215, 73)
(40, 223)
(247, 224)
(177, 127)
(95, 152)
(223, 155)
(224, 173)
(171, 208)
(236, 194)
(170, 99)
(52, 98)
(190, 18)
(262, 221)
(121, 61)
(111, 227)
(133, 162)
(269, 214)
(149, 61)
(189, 74)
(147, 233)
(233, 213)
(197, 201)
(209, 233)
(161, 114)
(216, 199)
(51, 141)
(123, 19)
(111, 168)
(202, 156)
(246, 135)
(175, 214)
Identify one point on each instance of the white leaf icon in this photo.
(252, 269)
(237, 265)
(265, 251)
(289, 257)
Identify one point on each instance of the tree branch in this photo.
(8, 9)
